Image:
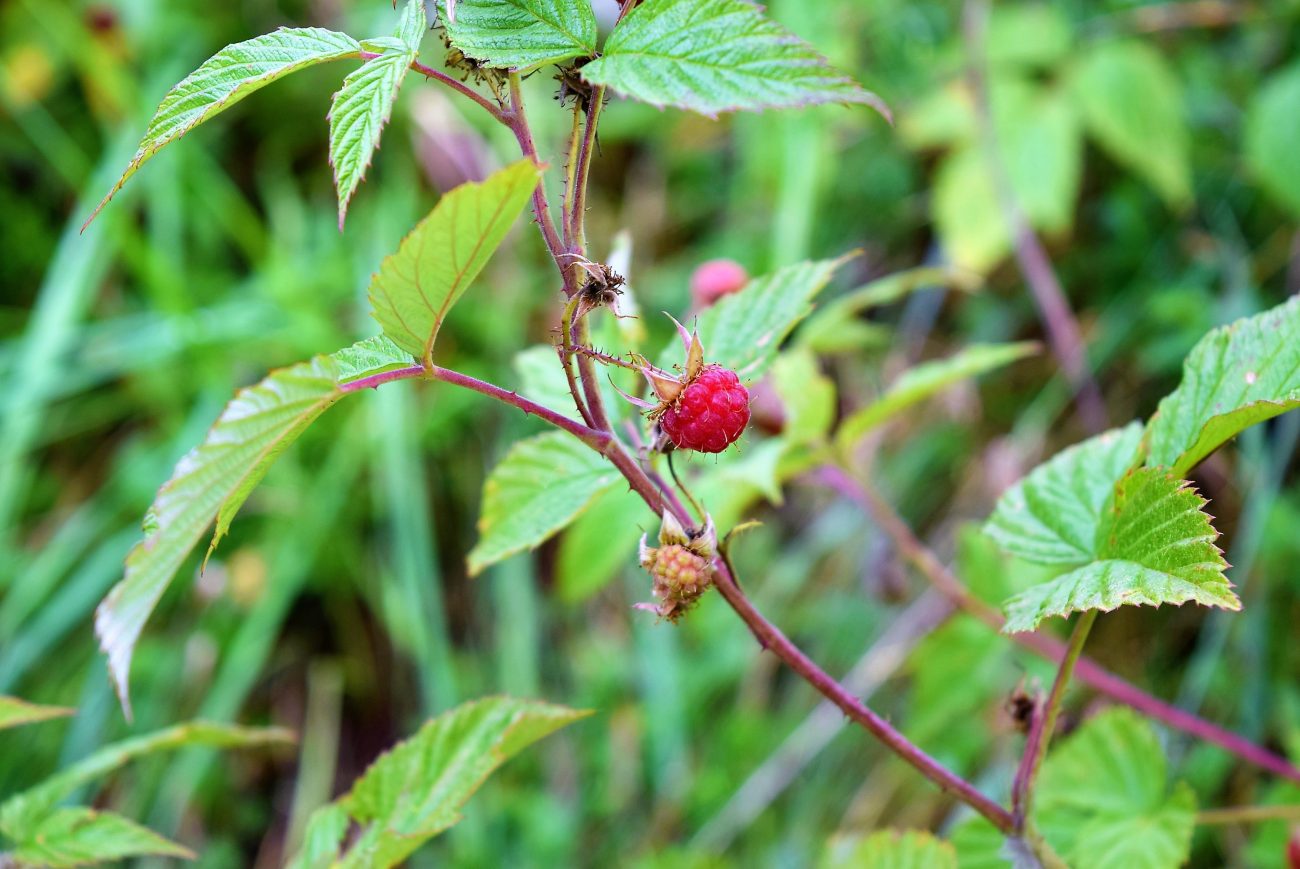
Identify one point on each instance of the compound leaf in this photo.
(226, 78)
(434, 265)
(1102, 798)
(77, 837)
(1052, 515)
(540, 486)
(213, 480)
(415, 791)
(719, 56)
(1154, 545)
(1236, 376)
(15, 712)
(522, 33)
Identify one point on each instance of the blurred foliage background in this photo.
(1156, 148)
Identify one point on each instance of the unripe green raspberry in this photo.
(681, 568)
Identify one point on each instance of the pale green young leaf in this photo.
(522, 33)
(1154, 545)
(541, 485)
(227, 77)
(416, 790)
(920, 382)
(744, 330)
(600, 542)
(78, 837)
(213, 480)
(434, 265)
(1132, 104)
(889, 849)
(357, 117)
(25, 810)
(413, 24)
(1052, 515)
(1273, 137)
(323, 837)
(1236, 376)
(720, 56)
(884, 291)
(807, 394)
(1102, 798)
(980, 845)
(15, 712)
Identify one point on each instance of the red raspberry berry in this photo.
(716, 278)
(710, 414)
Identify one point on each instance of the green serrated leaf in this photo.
(1154, 545)
(522, 33)
(15, 712)
(720, 56)
(920, 382)
(212, 481)
(1273, 137)
(540, 486)
(1236, 376)
(413, 24)
(744, 330)
(1102, 799)
(434, 265)
(357, 117)
(1132, 104)
(24, 811)
(889, 849)
(226, 78)
(77, 837)
(416, 790)
(1052, 515)
(323, 837)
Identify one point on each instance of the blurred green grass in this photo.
(340, 604)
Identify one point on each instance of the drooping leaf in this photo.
(744, 330)
(1236, 376)
(227, 77)
(523, 33)
(416, 790)
(15, 712)
(1132, 105)
(415, 288)
(25, 810)
(1273, 137)
(212, 481)
(540, 486)
(920, 382)
(1102, 798)
(1154, 545)
(889, 849)
(357, 117)
(78, 837)
(720, 56)
(1052, 515)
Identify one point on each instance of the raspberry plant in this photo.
(1113, 520)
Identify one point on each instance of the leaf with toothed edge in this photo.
(226, 78)
(1154, 545)
(80, 837)
(415, 287)
(522, 33)
(213, 480)
(1235, 377)
(413, 24)
(357, 117)
(718, 56)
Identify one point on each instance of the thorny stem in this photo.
(1043, 645)
(1062, 328)
(458, 86)
(516, 119)
(1044, 723)
(590, 385)
(578, 199)
(566, 357)
(571, 175)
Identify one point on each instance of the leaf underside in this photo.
(226, 78)
(720, 56)
(415, 287)
(212, 481)
(541, 485)
(1236, 376)
(416, 790)
(522, 33)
